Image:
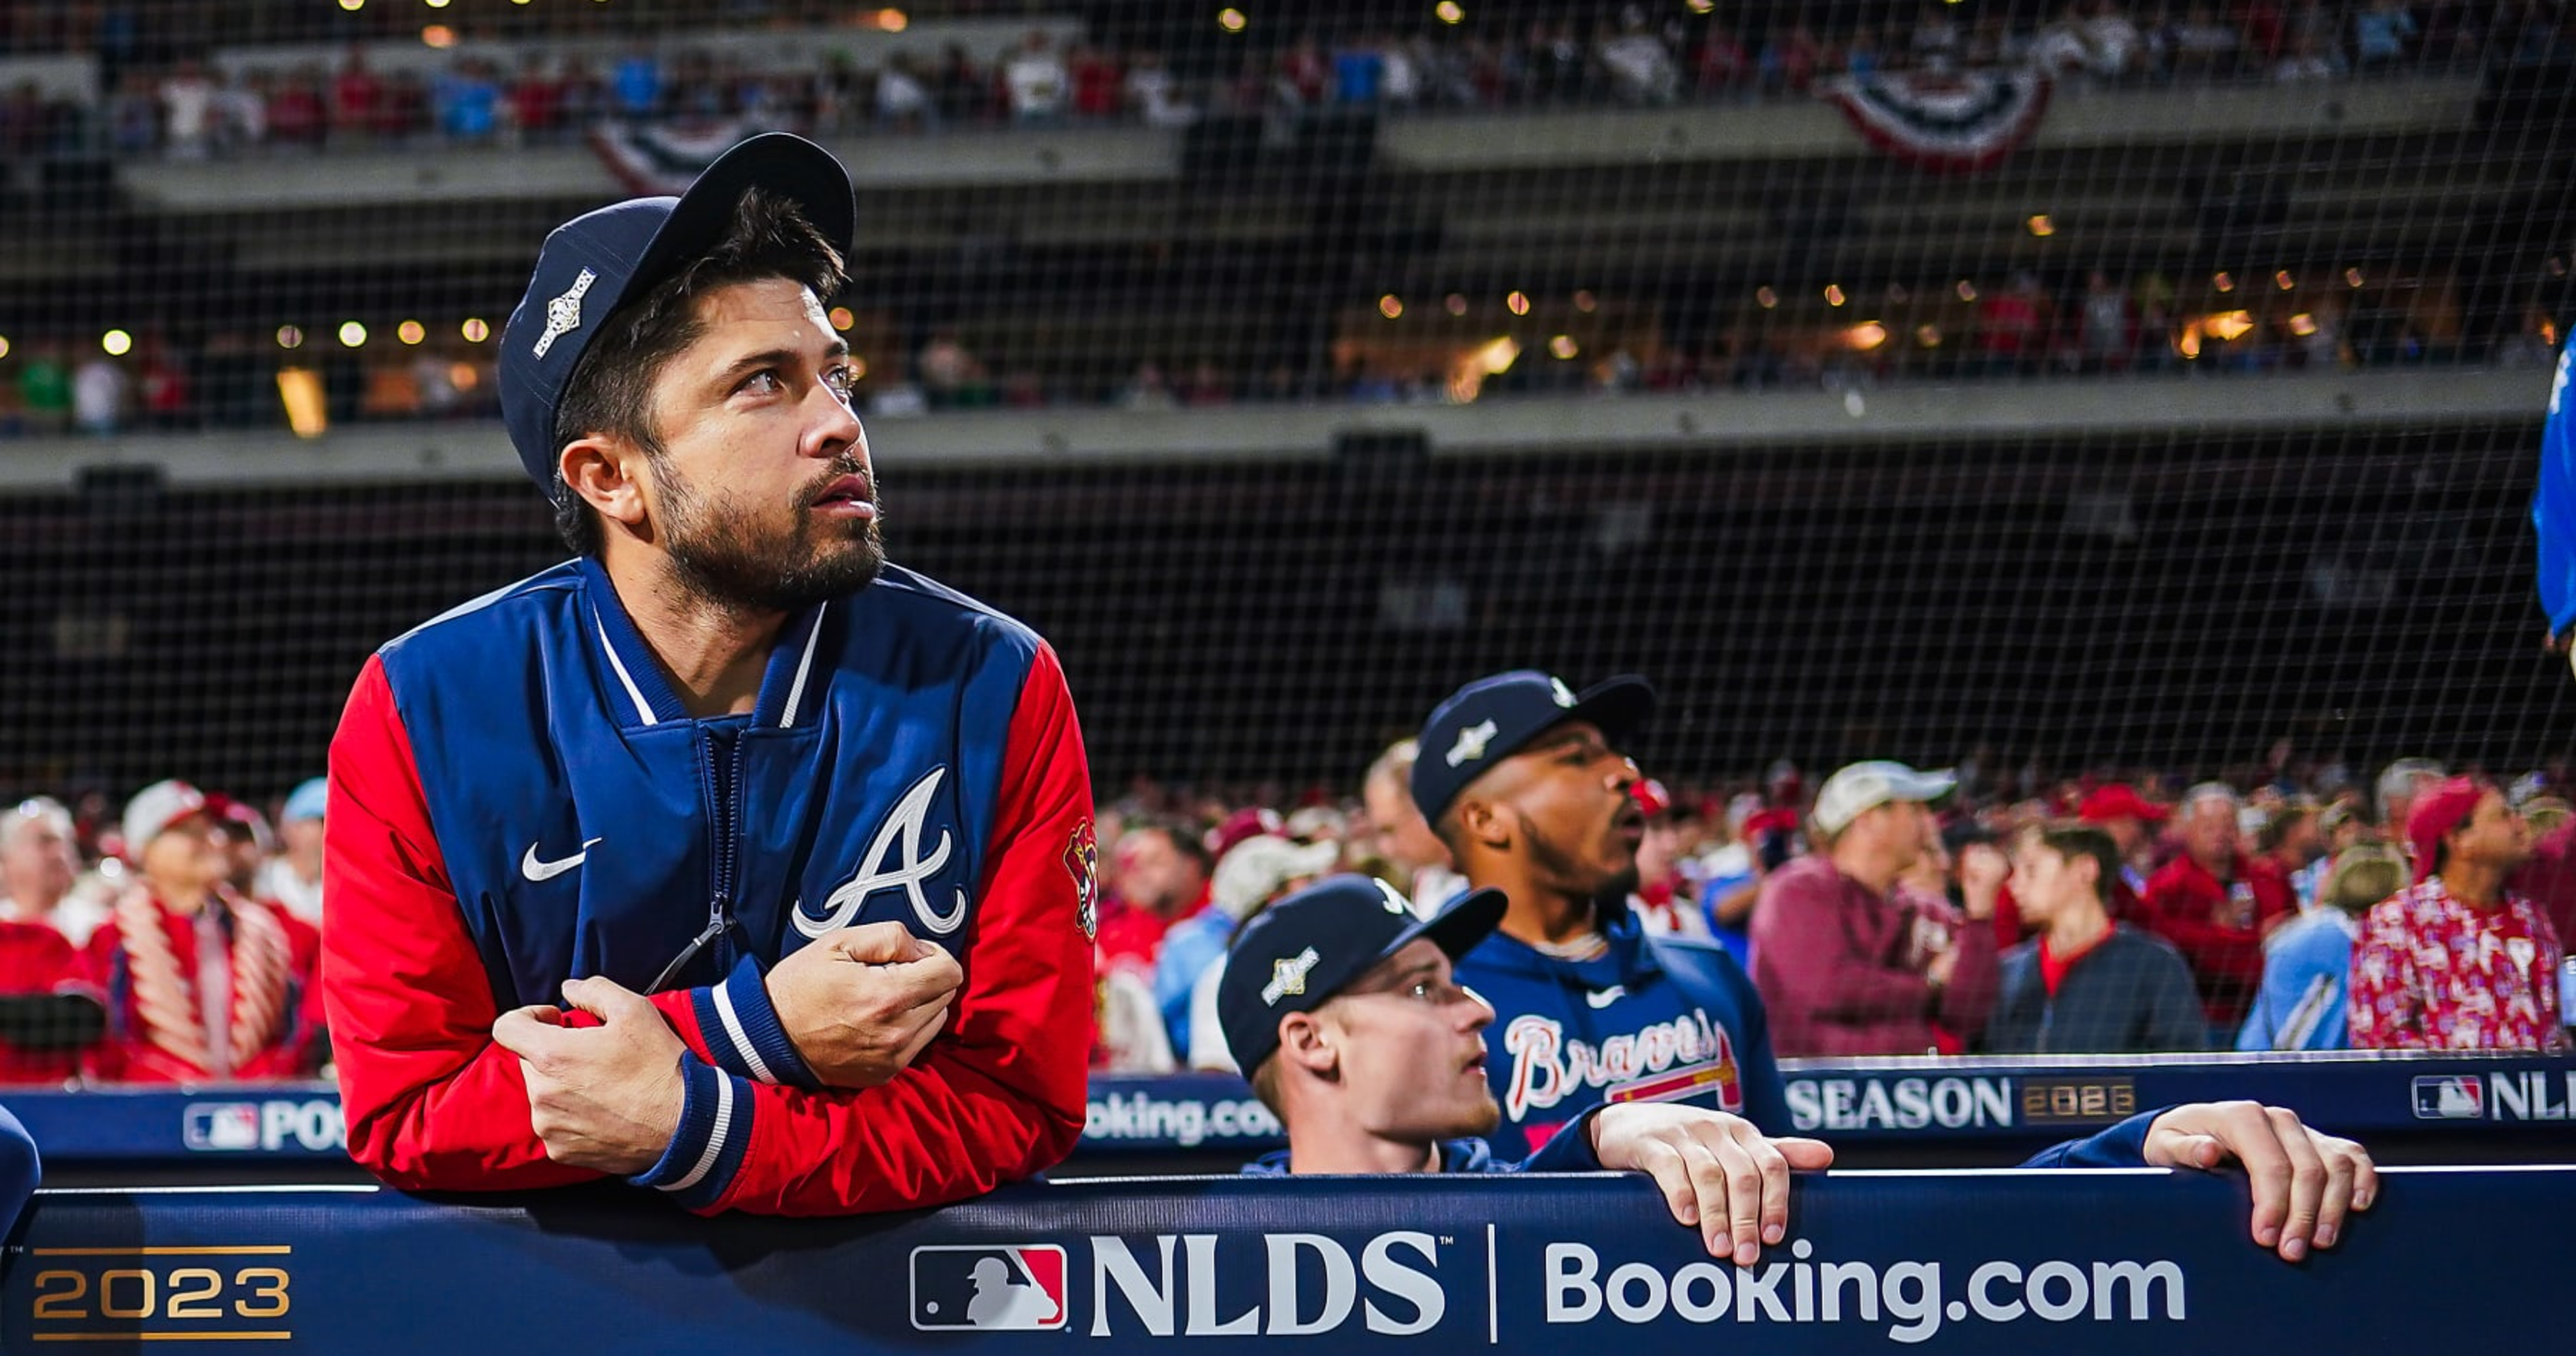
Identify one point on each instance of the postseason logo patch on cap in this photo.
(563, 314)
(1288, 977)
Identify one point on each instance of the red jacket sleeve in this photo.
(1000, 1095)
(432, 1103)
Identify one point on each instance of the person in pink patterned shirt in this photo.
(2457, 961)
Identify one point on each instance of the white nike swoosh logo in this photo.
(536, 870)
(1602, 998)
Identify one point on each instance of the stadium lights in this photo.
(2041, 226)
(1230, 19)
(289, 337)
(463, 376)
(2557, 266)
(1390, 306)
(1833, 294)
(1866, 335)
(1702, 6)
(1457, 304)
(2303, 324)
(1967, 290)
(475, 331)
(436, 4)
(1448, 11)
(518, 2)
(117, 343)
(2224, 282)
(439, 36)
(893, 20)
(1766, 298)
(1585, 302)
(2284, 281)
(353, 6)
(352, 334)
(2352, 277)
(1564, 347)
(411, 332)
(1929, 336)
(1495, 356)
(4, 346)
(1517, 303)
(842, 319)
(858, 368)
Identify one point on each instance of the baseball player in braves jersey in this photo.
(726, 858)
(1523, 778)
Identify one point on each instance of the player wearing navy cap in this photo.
(727, 858)
(1527, 781)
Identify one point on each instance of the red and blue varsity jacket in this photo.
(518, 798)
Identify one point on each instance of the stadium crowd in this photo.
(1884, 912)
(1611, 56)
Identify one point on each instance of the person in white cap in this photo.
(294, 876)
(1250, 875)
(1848, 961)
(203, 984)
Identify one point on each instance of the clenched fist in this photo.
(860, 1003)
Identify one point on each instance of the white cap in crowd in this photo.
(1865, 786)
(155, 808)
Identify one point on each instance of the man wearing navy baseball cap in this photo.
(1343, 1007)
(1529, 783)
(727, 858)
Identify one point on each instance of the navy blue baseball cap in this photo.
(593, 263)
(1489, 719)
(1308, 947)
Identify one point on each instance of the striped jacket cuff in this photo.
(742, 1032)
(715, 1130)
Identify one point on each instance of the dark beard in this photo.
(718, 558)
(1556, 864)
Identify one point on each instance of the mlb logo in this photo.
(2450, 1097)
(1008, 1286)
(221, 1126)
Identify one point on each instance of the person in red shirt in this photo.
(2118, 810)
(2457, 961)
(2086, 983)
(2214, 912)
(49, 1011)
(1163, 876)
(202, 984)
(1850, 962)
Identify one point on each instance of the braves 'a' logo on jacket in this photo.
(895, 861)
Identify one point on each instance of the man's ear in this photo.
(1483, 821)
(607, 472)
(1305, 1041)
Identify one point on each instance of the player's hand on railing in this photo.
(606, 1097)
(1716, 1170)
(2304, 1180)
(862, 1002)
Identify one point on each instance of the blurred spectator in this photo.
(248, 843)
(2457, 961)
(1250, 875)
(1405, 842)
(98, 396)
(50, 1013)
(635, 85)
(2307, 61)
(1146, 389)
(1641, 68)
(202, 984)
(1358, 66)
(2086, 984)
(1040, 86)
(2381, 31)
(2110, 334)
(188, 111)
(2013, 326)
(357, 101)
(1095, 76)
(2288, 843)
(2118, 810)
(45, 389)
(1730, 880)
(1153, 93)
(903, 100)
(2307, 964)
(466, 101)
(951, 376)
(1847, 961)
(293, 877)
(2398, 785)
(1162, 878)
(162, 389)
(39, 865)
(1663, 900)
(2213, 910)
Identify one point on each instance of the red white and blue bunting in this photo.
(652, 161)
(1960, 123)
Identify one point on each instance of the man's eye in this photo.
(839, 379)
(761, 382)
(1424, 990)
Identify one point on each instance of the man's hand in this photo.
(1716, 1170)
(2304, 1180)
(860, 1003)
(1982, 868)
(606, 1097)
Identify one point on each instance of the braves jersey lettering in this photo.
(1547, 1067)
(901, 829)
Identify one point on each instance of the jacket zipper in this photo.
(722, 764)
